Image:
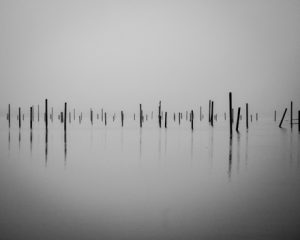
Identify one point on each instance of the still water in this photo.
(129, 183)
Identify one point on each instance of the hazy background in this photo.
(117, 54)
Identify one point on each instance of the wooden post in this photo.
(122, 118)
(74, 114)
(91, 116)
(212, 114)
(192, 120)
(230, 113)
(179, 118)
(105, 118)
(46, 113)
(275, 116)
(282, 118)
(61, 117)
(256, 116)
(101, 114)
(65, 118)
(8, 117)
(238, 119)
(291, 114)
(200, 113)
(141, 116)
(247, 124)
(30, 118)
(209, 111)
(19, 117)
(165, 119)
(70, 117)
(298, 121)
(159, 114)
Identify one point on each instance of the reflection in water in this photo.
(192, 146)
(30, 141)
(211, 148)
(166, 141)
(230, 158)
(65, 148)
(9, 140)
(46, 147)
(140, 147)
(159, 145)
(19, 139)
(298, 153)
(246, 150)
(122, 139)
(238, 152)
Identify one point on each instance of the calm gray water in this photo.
(150, 183)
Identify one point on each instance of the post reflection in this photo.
(238, 152)
(30, 141)
(246, 150)
(192, 146)
(140, 144)
(46, 147)
(65, 148)
(211, 148)
(19, 140)
(9, 140)
(230, 159)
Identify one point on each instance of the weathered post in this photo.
(291, 114)
(200, 113)
(256, 116)
(19, 117)
(209, 111)
(212, 114)
(101, 114)
(91, 116)
(159, 114)
(192, 120)
(246, 116)
(141, 116)
(105, 118)
(275, 116)
(165, 119)
(8, 117)
(230, 113)
(30, 118)
(238, 120)
(46, 113)
(282, 118)
(65, 118)
(122, 118)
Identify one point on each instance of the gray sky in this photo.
(117, 54)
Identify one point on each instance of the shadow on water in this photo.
(230, 159)
(19, 140)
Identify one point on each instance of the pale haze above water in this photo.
(120, 53)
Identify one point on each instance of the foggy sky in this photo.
(117, 54)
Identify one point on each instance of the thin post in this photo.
(212, 113)
(141, 115)
(46, 113)
(105, 118)
(19, 117)
(291, 114)
(200, 113)
(282, 118)
(74, 114)
(91, 116)
(122, 118)
(192, 120)
(101, 114)
(65, 118)
(230, 113)
(70, 117)
(238, 120)
(247, 123)
(298, 121)
(209, 111)
(166, 119)
(8, 115)
(30, 118)
(179, 118)
(159, 114)
(275, 116)
(256, 116)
